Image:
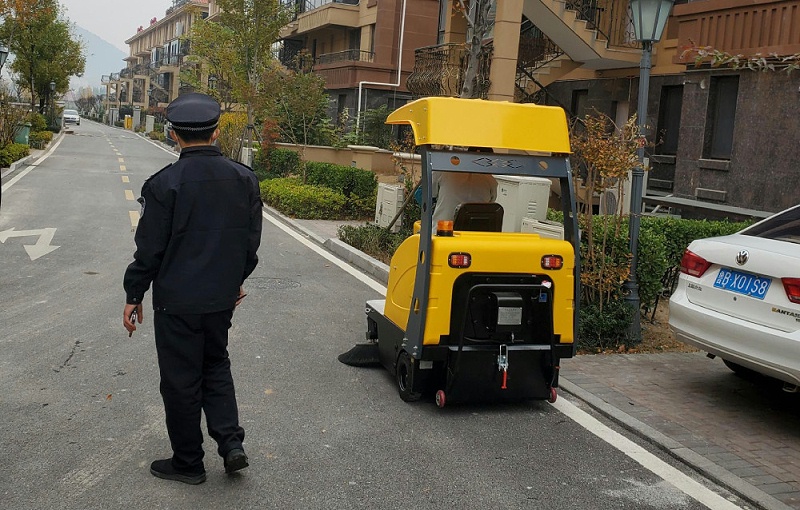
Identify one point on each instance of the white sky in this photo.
(114, 20)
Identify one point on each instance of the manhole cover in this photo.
(271, 283)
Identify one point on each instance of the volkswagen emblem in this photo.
(741, 257)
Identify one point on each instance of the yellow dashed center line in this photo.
(121, 160)
(129, 195)
(134, 218)
(125, 178)
(122, 168)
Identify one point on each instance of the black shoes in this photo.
(235, 460)
(164, 469)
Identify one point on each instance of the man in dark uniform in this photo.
(196, 242)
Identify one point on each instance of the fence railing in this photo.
(346, 56)
(439, 71)
(610, 18)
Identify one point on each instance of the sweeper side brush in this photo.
(362, 355)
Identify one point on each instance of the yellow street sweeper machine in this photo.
(473, 313)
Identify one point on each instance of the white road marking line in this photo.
(31, 167)
(129, 195)
(649, 461)
(369, 282)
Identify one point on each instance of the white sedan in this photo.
(72, 116)
(738, 297)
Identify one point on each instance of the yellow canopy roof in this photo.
(480, 123)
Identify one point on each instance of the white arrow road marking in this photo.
(42, 246)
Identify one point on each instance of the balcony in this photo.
(345, 56)
(313, 15)
(439, 71)
(740, 26)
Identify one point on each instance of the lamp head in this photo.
(52, 86)
(649, 18)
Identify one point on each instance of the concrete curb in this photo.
(685, 455)
(702, 465)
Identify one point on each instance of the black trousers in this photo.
(196, 374)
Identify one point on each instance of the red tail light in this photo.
(792, 288)
(459, 260)
(693, 264)
(552, 262)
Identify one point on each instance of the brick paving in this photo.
(749, 427)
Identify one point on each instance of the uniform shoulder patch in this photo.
(159, 172)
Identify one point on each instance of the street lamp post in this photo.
(649, 19)
(52, 104)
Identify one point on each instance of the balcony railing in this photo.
(301, 6)
(610, 18)
(439, 71)
(345, 56)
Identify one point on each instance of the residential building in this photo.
(364, 49)
(723, 138)
(151, 78)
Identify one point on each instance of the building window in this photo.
(669, 120)
(579, 98)
(721, 117)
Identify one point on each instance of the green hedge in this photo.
(13, 152)
(275, 163)
(358, 185)
(302, 200)
(40, 139)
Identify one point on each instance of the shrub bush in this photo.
(13, 152)
(38, 122)
(373, 240)
(157, 135)
(275, 163)
(358, 185)
(600, 329)
(303, 200)
(40, 139)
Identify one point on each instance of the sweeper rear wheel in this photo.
(404, 375)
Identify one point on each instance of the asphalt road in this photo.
(82, 417)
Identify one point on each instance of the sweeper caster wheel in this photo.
(405, 377)
(553, 395)
(440, 399)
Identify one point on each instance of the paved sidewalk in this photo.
(743, 434)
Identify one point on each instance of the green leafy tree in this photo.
(44, 50)
(297, 102)
(235, 50)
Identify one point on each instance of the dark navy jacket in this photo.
(198, 234)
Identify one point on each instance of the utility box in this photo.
(545, 228)
(389, 203)
(522, 197)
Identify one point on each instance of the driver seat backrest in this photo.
(479, 216)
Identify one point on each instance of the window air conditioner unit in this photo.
(545, 228)
(522, 197)
(389, 202)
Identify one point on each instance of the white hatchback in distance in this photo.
(738, 297)
(72, 116)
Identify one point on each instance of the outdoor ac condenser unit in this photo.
(522, 197)
(610, 200)
(545, 228)
(389, 202)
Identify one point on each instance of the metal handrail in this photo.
(439, 71)
(610, 18)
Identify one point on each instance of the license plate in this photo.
(742, 283)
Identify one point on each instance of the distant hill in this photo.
(102, 57)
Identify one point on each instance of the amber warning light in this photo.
(459, 260)
(444, 228)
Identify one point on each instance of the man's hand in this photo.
(129, 316)
(240, 297)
